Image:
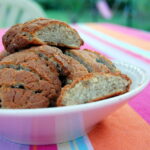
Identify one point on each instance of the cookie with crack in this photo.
(27, 81)
(93, 61)
(41, 31)
(93, 87)
(68, 68)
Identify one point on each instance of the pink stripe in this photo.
(128, 31)
(137, 31)
(115, 46)
(46, 147)
(87, 46)
(141, 103)
(2, 31)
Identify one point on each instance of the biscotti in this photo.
(43, 66)
(93, 61)
(39, 32)
(93, 87)
(40, 70)
(68, 68)
(28, 81)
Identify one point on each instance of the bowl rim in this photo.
(80, 107)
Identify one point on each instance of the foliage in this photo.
(140, 5)
(85, 11)
(143, 6)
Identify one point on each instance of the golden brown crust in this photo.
(37, 24)
(30, 59)
(88, 61)
(93, 61)
(8, 36)
(3, 54)
(22, 36)
(20, 98)
(41, 62)
(71, 68)
(99, 55)
(87, 77)
(33, 74)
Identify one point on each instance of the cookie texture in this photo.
(40, 70)
(93, 61)
(3, 54)
(43, 66)
(93, 87)
(68, 68)
(28, 81)
(39, 32)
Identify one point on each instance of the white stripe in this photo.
(114, 53)
(116, 41)
(64, 146)
(88, 142)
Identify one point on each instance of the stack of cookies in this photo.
(43, 66)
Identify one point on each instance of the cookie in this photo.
(41, 31)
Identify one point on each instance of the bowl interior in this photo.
(139, 77)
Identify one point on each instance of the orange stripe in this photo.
(123, 130)
(123, 37)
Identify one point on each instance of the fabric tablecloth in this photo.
(128, 128)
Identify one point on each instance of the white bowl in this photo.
(56, 125)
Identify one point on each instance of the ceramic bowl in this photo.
(56, 125)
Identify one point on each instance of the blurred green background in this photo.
(133, 13)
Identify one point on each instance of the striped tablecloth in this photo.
(128, 128)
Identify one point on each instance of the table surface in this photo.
(128, 128)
